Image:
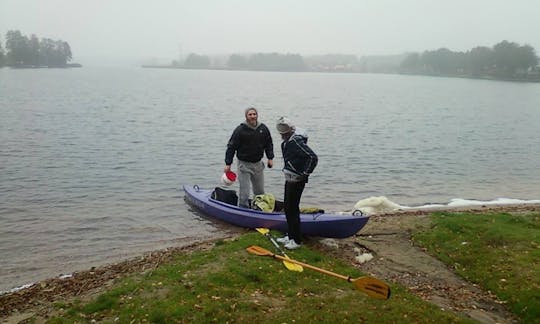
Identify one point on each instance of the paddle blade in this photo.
(292, 266)
(289, 265)
(263, 231)
(257, 250)
(372, 287)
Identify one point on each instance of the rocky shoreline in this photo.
(386, 236)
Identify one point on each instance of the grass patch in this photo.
(499, 251)
(228, 285)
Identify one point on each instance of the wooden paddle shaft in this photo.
(312, 267)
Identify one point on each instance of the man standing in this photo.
(249, 141)
(300, 161)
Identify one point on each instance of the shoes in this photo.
(292, 245)
(288, 243)
(283, 240)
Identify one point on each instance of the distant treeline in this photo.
(505, 60)
(23, 51)
(257, 62)
(272, 62)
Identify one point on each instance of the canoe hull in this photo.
(320, 224)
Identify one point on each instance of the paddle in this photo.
(371, 286)
(288, 265)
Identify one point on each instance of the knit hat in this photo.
(284, 125)
(250, 108)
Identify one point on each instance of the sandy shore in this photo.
(386, 237)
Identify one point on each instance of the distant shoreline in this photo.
(535, 79)
(70, 65)
(485, 77)
(221, 69)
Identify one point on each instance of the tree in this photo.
(197, 61)
(526, 57)
(33, 52)
(276, 62)
(293, 62)
(34, 49)
(480, 60)
(46, 51)
(444, 61)
(17, 48)
(237, 61)
(411, 64)
(505, 53)
(66, 51)
(2, 56)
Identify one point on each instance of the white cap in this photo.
(284, 125)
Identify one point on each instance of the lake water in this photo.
(92, 160)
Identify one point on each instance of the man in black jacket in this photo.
(300, 161)
(249, 141)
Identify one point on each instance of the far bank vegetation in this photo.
(505, 60)
(22, 51)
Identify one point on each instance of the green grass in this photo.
(228, 285)
(498, 251)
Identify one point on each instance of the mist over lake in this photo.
(92, 160)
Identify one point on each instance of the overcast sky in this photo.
(167, 28)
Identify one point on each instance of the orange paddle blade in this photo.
(372, 287)
(257, 250)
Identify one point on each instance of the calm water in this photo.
(92, 160)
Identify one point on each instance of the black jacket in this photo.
(298, 157)
(249, 144)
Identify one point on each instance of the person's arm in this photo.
(269, 149)
(232, 146)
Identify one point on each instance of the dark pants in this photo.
(293, 193)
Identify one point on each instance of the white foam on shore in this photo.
(17, 288)
(459, 202)
(381, 204)
(63, 276)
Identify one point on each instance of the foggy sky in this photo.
(139, 29)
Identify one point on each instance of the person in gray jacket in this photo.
(300, 161)
(249, 141)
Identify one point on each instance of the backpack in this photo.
(226, 196)
(265, 202)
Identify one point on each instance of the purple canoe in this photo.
(320, 224)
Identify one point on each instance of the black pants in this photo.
(293, 193)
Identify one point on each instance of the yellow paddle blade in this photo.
(292, 266)
(372, 287)
(289, 265)
(263, 230)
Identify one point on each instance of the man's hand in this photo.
(270, 163)
(227, 168)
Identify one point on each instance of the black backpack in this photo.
(226, 196)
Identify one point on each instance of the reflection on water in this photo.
(92, 160)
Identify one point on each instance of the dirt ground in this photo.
(386, 237)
